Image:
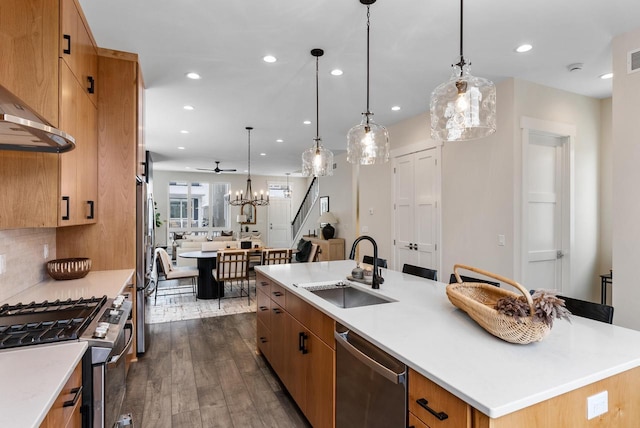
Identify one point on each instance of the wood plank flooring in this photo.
(205, 373)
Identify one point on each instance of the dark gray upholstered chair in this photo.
(452, 279)
(420, 271)
(382, 263)
(591, 310)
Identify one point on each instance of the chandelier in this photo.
(464, 108)
(317, 160)
(246, 197)
(368, 142)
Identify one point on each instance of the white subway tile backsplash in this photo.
(24, 256)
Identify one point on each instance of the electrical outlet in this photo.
(501, 240)
(597, 404)
(45, 251)
(3, 264)
(365, 229)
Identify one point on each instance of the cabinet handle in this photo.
(264, 284)
(277, 311)
(78, 392)
(422, 402)
(277, 293)
(91, 204)
(263, 340)
(67, 50)
(263, 308)
(66, 200)
(92, 84)
(302, 336)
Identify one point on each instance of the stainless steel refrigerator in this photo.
(145, 244)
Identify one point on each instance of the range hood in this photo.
(24, 130)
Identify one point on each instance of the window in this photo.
(276, 190)
(198, 207)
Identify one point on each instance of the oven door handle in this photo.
(114, 360)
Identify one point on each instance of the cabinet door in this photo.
(77, 48)
(87, 161)
(279, 343)
(70, 121)
(264, 339)
(29, 44)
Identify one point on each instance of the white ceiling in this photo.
(413, 43)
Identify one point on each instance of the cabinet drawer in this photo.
(414, 422)
(278, 294)
(320, 324)
(60, 414)
(263, 284)
(264, 339)
(423, 391)
(263, 308)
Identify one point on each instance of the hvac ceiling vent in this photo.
(633, 61)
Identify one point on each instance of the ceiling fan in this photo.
(217, 169)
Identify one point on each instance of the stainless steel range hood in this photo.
(24, 130)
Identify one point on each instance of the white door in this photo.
(279, 217)
(416, 214)
(546, 256)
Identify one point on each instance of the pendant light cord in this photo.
(317, 106)
(249, 153)
(462, 62)
(368, 26)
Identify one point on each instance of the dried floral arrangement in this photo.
(548, 306)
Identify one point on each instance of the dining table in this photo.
(208, 287)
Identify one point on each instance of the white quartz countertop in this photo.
(32, 378)
(425, 331)
(95, 284)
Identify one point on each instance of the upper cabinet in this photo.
(50, 61)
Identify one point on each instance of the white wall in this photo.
(161, 181)
(626, 178)
(606, 186)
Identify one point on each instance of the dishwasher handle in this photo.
(343, 340)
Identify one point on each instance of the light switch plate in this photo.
(3, 264)
(597, 404)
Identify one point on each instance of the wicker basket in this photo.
(68, 268)
(478, 301)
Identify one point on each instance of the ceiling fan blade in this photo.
(206, 169)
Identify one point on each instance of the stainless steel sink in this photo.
(345, 296)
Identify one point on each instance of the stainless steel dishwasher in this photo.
(371, 385)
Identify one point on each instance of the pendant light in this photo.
(368, 142)
(464, 108)
(317, 160)
(287, 191)
(247, 198)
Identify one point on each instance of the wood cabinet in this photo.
(330, 249)
(65, 412)
(297, 340)
(565, 410)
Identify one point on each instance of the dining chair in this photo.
(368, 260)
(420, 271)
(591, 310)
(276, 256)
(314, 253)
(452, 279)
(174, 273)
(232, 265)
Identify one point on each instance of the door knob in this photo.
(559, 254)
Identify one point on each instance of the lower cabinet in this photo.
(65, 412)
(292, 336)
(434, 406)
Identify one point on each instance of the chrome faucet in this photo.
(376, 279)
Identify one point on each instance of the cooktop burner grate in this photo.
(46, 322)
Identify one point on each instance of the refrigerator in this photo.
(145, 245)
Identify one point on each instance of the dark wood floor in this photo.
(205, 373)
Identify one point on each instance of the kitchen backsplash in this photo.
(22, 258)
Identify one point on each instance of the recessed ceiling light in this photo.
(188, 107)
(524, 48)
(307, 122)
(395, 108)
(180, 148)
(606, 76)
(184, 131)
(336, 72)
(263, 154)
(269, 58)
(279, 140)
(192, 75)
(187, 167)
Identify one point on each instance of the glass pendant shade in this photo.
(368, 143)
(317, 161)
(464, 108)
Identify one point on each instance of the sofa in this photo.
(213, 245)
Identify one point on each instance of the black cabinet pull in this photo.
(264, 284)
(66, 199)
(78, 392)
(263, 340)
(277, 293)
(92, 84)
(424, 404)
(91, 204)
(302, 336)
(67, 38)
(263, 308)
(277, 311)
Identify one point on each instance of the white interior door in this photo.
(546, 257)
(416, 213)
(279, 217)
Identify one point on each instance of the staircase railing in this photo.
(305, 207)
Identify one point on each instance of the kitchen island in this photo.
(497, 379)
